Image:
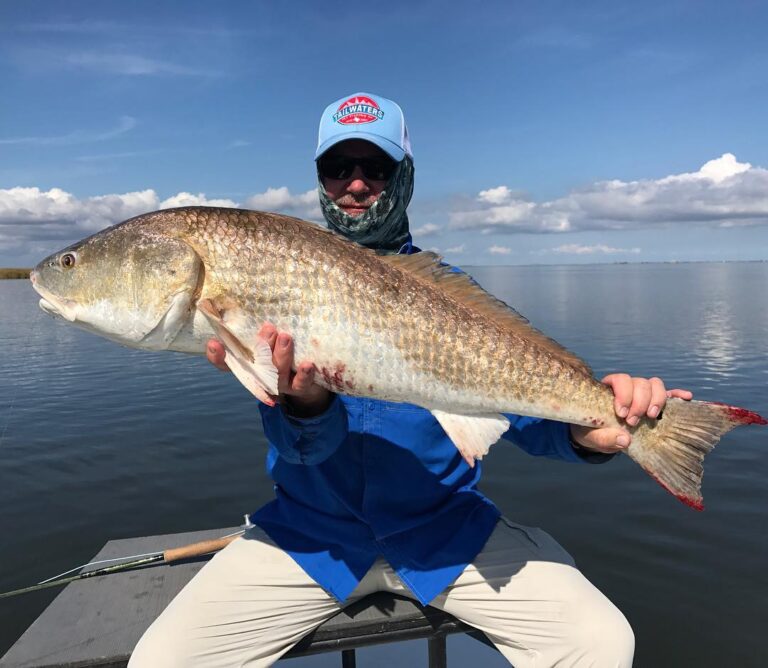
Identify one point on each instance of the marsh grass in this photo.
(14, 273)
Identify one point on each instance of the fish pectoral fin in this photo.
(171, 323)
(473, 435)
(253, 368)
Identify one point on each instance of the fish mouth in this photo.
(56, 306)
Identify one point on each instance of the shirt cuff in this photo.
(305, 440)
(302, 422)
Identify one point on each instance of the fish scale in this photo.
(399, 328)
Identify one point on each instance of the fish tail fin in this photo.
(672, 448)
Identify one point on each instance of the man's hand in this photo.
(633, 398)
(306, 398)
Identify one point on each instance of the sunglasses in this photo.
(341, 167)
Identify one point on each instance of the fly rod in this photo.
(168, 556)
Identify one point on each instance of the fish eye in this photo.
(67, 260)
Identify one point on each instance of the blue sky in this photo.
(547, 132)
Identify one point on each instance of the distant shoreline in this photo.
(613, 264)
(14, 273)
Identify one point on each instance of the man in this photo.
(372, 495)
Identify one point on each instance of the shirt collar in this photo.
(408, 248)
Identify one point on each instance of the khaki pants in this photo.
(252, 603)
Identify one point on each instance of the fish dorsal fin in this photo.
(429, 268)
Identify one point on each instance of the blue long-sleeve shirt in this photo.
(369, 478)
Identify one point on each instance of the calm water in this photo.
(100, 442)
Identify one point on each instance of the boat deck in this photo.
(97, 622)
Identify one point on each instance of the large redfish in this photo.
(398, 327)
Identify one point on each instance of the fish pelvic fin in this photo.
(473, 435)
(672, 449)
(252, 367)
(429, 268)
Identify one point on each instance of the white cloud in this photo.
(125, 124)
(425, 230)
(495, 195)
(32, 220)
(499, 250)
(30, 206)
(303, 205)
(723, 192)
(188, 199)
(456, 250)
(36, 222)
(275, 198)
(578, 249)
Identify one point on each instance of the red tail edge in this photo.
(696, 504)
(740, 415)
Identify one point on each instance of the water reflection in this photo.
(719, 345)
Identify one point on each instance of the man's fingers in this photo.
(216, 354)
(304, 378)
(680, 394)
(622, 386)
(641, 400)
(610, 440)
(637, 397)
(282, 358)
(658, 397)
(607, 439)
(268, 332)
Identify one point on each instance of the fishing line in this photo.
(83, 576)
(131, 557)
(168, 556)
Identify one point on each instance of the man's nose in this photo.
(357, 183)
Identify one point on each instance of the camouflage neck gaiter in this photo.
(383, 227)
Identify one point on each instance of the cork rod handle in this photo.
(197, 549)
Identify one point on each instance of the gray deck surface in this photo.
(97, 622)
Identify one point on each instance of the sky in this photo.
(543, 132)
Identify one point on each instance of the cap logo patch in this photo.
(357, 110)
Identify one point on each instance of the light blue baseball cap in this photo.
(365, 116)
